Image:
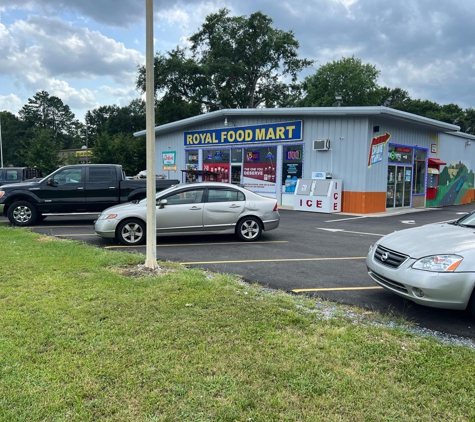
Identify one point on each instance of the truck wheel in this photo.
(131, 232)
(22, 213)
(249, 229)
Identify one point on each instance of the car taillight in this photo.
(276, 208)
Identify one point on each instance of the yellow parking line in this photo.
(335, 289)
(271, 260)
(199, 244)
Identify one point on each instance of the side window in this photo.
(68, 176)
(11, 175)
(185, 197)
(225, 195)
(101, 174)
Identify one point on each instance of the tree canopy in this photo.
(233, 62)
(349, 78)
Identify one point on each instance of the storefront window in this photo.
(191, 164)
(400, 154)
(259, 168)
(217, 162)
(292, 167)
(236, 155)
(419, 178)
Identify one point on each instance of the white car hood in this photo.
(430, 239)
(125, 207)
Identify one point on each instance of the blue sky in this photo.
(86, 52)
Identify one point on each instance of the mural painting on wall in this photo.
(455, 181)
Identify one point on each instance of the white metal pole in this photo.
(1, 145)
(151, 257)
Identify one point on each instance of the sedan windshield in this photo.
(467, 220)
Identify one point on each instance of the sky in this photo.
(87, 52)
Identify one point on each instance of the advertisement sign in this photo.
(169, 158)
(376, 149)
(259, 176)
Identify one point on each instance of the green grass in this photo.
(80, 341)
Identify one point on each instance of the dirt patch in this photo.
(138, 271)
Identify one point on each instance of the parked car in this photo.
(197, 208)
(79, 188)
(432, 265)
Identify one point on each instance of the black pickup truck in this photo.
(10, 175)
(81, 188)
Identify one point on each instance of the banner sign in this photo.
(272, 132)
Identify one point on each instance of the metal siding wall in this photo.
(453, 149)
(348, 155)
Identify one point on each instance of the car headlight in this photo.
(107, 216)
(438, 263)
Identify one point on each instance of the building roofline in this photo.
(307, 111)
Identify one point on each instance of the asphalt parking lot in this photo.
(310, 253)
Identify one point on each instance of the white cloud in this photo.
(11, 103)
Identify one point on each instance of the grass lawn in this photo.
(86, 336)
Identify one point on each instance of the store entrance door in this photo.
(399, 189)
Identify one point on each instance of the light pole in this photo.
(151, 254)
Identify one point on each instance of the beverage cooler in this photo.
(318, 195)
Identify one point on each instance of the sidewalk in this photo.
(395, 211)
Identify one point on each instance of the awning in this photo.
(437, 162)
(433, 171)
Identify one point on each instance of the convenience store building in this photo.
(384, 158)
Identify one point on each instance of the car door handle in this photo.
(80, 188)
(111, 187)
(234, 206)
(194, 208)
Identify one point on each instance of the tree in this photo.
(121, 148)
(233, 62)
(13, 130)
(42, 150)
(49, 112)
(349, 78)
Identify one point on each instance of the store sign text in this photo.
(376, 149)
(285, 131)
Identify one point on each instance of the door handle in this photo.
(111, 187)
(80, 188)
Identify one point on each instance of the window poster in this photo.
(259, 169)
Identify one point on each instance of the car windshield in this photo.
(466, 221)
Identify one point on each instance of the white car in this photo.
(432, 265)
(193, 209)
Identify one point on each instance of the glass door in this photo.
(399, 187)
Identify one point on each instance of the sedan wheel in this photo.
(131, 232)
(22, 213)
(249, 229)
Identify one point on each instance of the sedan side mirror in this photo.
(162, 203)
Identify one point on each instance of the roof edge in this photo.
(307, 111)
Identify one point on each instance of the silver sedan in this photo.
(432, 265)
(198, 208)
